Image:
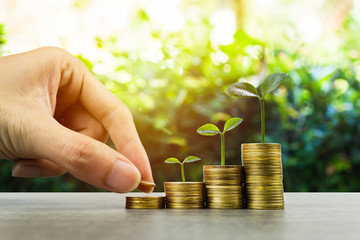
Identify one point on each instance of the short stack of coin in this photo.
(263, 175)
(223, 186)
(145, 202)
(184, 194)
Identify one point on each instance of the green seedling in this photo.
(212, 130)
(188, 159)
(247, 90)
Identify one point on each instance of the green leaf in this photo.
(172, 160)
(242, 90)
(208, 130)
(232, 123)
(191, 159)
(272, 82)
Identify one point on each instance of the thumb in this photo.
(86, 158)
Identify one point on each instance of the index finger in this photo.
(117, 120)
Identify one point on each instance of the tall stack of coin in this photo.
(145, 202)
(223, 186)
(263, 175)
(184, 194)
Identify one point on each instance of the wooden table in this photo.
(321, 216)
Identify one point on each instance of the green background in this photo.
(314, 114)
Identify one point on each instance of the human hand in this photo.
(55, 117)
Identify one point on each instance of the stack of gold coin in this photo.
(184, 194)
(145, 202)
(223, 186)
(263, 175)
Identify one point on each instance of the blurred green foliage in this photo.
(2, 36)
(314, 115)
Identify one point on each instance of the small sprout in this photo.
(188, 159)
(212, 130)
(246, 90)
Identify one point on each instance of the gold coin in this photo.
(247, 177)
(222, 180)
(256, 172)
(225, 206)
(214, 201)
(145, 198)
(219, 167)
(184, 195)
(223, 201)
(223, 183)
(264, 173)
(264, 188)
(222, 194)
(222, 190)
(260, 151)
(183, 189)
(261, 164)
(146, 184)
(184, 206)
(264, 198)
(251, 154)
(262, 167)
(222, 175)
(261, 160)
(274, 188)
(144, 206)
(267, 208)
(264, 194)
(183, 184)
(179, 201)
(265, 204)
(261, 189)
(269, 193)
(223, 187)
(252, 184)
(261, 145)
(263, 179)
(210, 194)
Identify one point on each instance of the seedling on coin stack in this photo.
(223, 183)
(184, 194)
(262, 161)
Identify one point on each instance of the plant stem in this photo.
(262, 105)
(222, 135)
(182, 172)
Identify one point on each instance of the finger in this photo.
(27, 168)
(85, 158)
(78, 119)
(114, 116)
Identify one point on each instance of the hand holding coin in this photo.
(55, 117)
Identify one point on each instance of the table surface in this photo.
(103, 216)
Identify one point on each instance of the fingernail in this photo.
(25, 171)
(124, 177)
